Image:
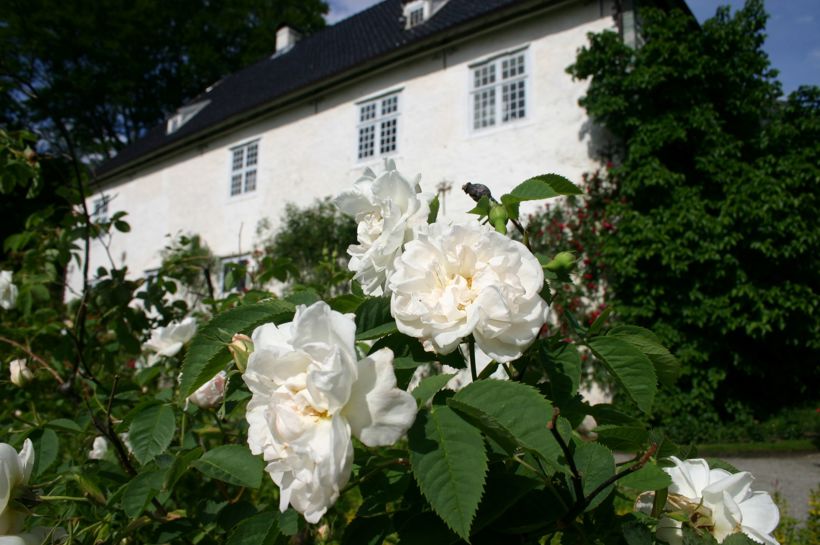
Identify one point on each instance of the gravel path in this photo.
(794, 476)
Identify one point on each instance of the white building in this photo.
(458, 90)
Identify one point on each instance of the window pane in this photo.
(367, 137)
(367, 112)
(484, 75)
(390, 105)
(236, 184)
(250, 180)
(387, 142)
(513, 101)
(252, 154)
(238, 158)
(484, 108)
(416, 16)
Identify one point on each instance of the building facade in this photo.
(456, 90)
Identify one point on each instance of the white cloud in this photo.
(341, 9)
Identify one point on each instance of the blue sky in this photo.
(793, 42)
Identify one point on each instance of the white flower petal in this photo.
(379, 413)
(760, 513)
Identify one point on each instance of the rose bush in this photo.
(285, 420)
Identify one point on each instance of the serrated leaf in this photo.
(233, 464)
(596, 464)
(519, 409)
(545, 186)
(649, 477)
(604, 413)
(666, 365)
(208, 353)
(346, 303)
(46, 446)
(630, 367)
(151, 431)
(260, 529)
(140, 490)
(428, 387)
(449, 464)
(738, 538)
(305, 296)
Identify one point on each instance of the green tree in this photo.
(96, 75)
(715, 213)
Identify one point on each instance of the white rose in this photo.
(454, 281)
(388, 209)
(19, 372)
(8, 291)
(309, 395)
(167, 341)
(721, 502)
(15, 470)
(210, 394)
(98, 449)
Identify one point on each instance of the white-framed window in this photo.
(416, 12)
(244, 160)
(100, 209)
(499, 90)
(378, 126)
(233, 273)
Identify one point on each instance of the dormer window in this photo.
(416, 12)
(183, 115)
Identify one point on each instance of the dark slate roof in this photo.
(333, 51)
(367, 37)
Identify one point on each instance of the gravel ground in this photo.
(794, 476)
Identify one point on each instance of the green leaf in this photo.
(636, 533)
(624, 438)
(649, 477)
(260, 529)
(377, 332)
(372, 313)
(519, 410)
(545, 186)
(428, 387)
(604, 413)
(232, 464)
(306, 296)
(738, 538)
(630, 367)
(434, 206)
(563, 367)
(139, 492)
(666, 365)
(449, 463)
(596, 464)
(208, 353)
(46, 446)
(181, 464)
(151, 431)
(64, 424)
(482, 207)
(346, 303)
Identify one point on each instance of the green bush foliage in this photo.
(715, 238)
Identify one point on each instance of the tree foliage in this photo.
(715, 236)
(97, 75)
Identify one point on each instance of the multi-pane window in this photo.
(243, 168)
(416, 16)
(378, 126)
(100, 213)
(499, 90)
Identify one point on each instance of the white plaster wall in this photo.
(310, 151)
